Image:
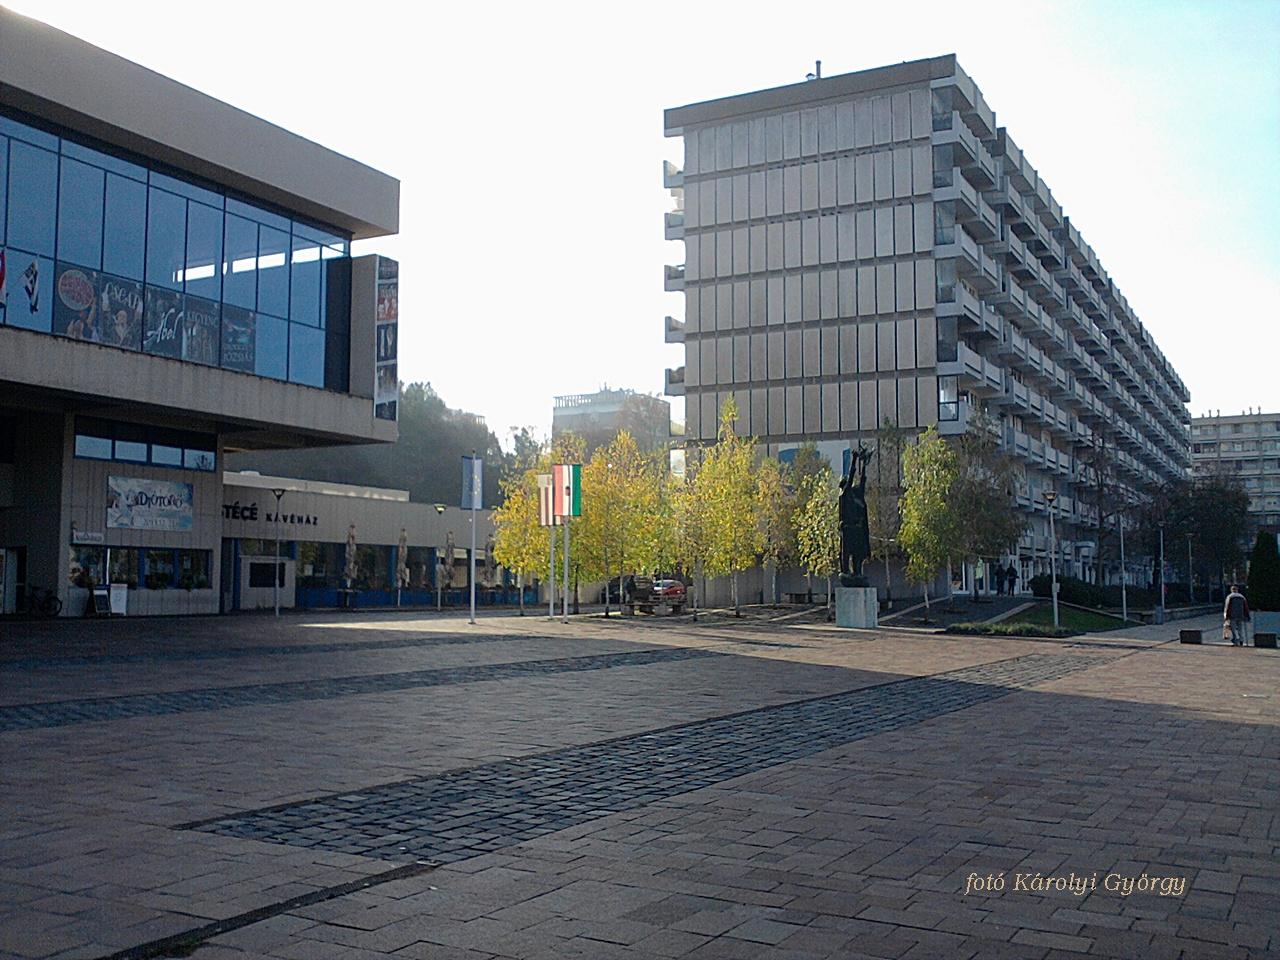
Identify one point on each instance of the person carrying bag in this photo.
(1235, 614)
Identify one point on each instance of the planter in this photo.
(1189, 636)
(1266, 621)
(1264, 641)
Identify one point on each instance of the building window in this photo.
(150, 262)
(137, 443)
(948, 399)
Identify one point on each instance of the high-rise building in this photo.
(1246, 446)
(599, 417)
(176, 282)
(872, 247)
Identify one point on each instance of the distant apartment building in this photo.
(1247, 446)
(598, 417)
(872, 247)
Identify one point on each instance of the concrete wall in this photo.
(37, 498)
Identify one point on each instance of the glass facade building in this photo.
(112, 250)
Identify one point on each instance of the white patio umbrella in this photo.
(402, 564)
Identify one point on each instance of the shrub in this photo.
(1071, 590)
(1009, 629)
(1263, 590)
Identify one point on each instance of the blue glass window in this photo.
(304, 296)
(273, 272)
(257, 213)
(33, 198)
(104, 160)
(166, 239)
(272, 356)
(240, 271)
(80, 198)
(306, 355)
(29, 134)
(125, 228)
(4, 182)
(184, 189)
(204, 251)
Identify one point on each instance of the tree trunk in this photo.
(736, 611)
(926, 601)
(520, 587)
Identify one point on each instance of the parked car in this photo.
(672, 591)
(635, 590)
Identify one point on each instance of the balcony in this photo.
(674, 382)
(673, 225)
(673, 281)
(672, 176)
(674, 330)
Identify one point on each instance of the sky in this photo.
(528, 142)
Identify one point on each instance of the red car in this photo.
(672, 591)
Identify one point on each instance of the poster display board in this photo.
(136, 503)
(386, 387)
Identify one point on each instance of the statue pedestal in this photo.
(857, 608)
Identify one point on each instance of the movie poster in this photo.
(163, 323)
(239, 338)
(97, 307)
(76, 311)
(386, 388)
(121, 302)
(200, 327)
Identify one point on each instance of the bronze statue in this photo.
(855, 535)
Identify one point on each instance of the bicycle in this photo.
(43, 602)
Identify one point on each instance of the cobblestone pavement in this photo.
(403, 785)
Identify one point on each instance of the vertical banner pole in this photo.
(566, 569)
(551, 575)
(475, 504)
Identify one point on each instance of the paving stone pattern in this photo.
(460, 815)
(96, 710)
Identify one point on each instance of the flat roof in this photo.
(809, 92)
(328, 488)
(60, 78)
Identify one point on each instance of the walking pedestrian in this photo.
(1235, 613)
(1001, 576)
(1012, 576)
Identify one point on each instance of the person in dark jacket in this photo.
(1235, 613)
(1012, 576)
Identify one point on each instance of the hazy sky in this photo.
(528, 140)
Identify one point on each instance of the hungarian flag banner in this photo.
(568, 489)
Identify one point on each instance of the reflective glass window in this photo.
(95, 448)
(304, 295)
(28, 291)
(134, 451)
(273, 272)
(159, 569)
(166, 239)
(80, 197)
(271, 358)
(86, 567)
(306, 355)
(250, 212)
(33, 197)
(184, 189)
(30, 134)
(124, 234)
(166, 456)
(104, 160)
(122, 566)
(240, 269)
(199, 460)
(4, 182)
(204, 251)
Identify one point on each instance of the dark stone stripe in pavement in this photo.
(460, 815)
(231, 653)
(184, 944)
(68, 712)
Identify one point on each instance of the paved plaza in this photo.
(409, 785)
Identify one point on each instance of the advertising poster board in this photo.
(97, 307)
(163, 323)
(386, 387)
(200, 324)
(239, 338)
(135, 503)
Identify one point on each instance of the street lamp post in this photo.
(1191, 574)
(440, 513)
(275, 576)
(1049, 497)
(1124, 577)
(1163, 597)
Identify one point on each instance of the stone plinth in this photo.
(857, 608)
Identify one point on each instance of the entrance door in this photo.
(227, 588)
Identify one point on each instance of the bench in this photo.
(651, 606)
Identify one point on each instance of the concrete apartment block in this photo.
(872, 247)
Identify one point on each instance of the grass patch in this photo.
(1073, 618)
